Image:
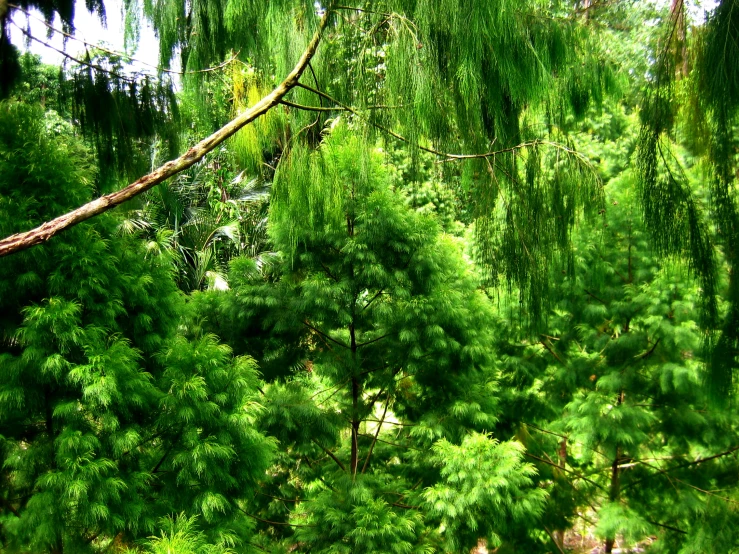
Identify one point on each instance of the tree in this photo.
(376, 450)
(112, 415)
(608, 398)
(401, 53)
(390, 419)
(694, 87)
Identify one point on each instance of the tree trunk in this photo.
(615, 490)
(355, 405)
(558, 535)
(355, 427)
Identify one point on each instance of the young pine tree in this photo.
(382, 429)
(612, 399)
(110, 418)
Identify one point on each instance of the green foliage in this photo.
(38, 83)
(202, 219)
(181, 535)
(420, 70)
(402, 412)
(692, 89)
(121, 115)
(110, 417)
(484, 486)
(390, 336)
(613, 388)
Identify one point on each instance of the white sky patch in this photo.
(89, 29)
(697, 9)
(700, 8)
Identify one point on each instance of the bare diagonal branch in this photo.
(44, 232)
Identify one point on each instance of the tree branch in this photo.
(268, 522)
(595, 297)
(553, 353)
(8, 506)
(334, 109)
(545, 431)
(96, 67)
(684, 465)
(329, 337)
(373, 340)
(375, 297)
(377, 433)
(575, 473)
(44, 232)
(331, 454)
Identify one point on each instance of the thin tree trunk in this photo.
(558, 535)
(58, 547)
(677, 14)
(44, 232)
(355, 405)
(355, 427)
(353, 346)
(615, 490)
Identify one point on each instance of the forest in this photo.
(372, 276)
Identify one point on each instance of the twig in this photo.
(352, 8)
(687, 464)
(593, 296)
(546, 431)
(551, 536)
(576, 474)
(280, 498)
(312, 108)
(553, 353)
(270, 522)
(329, 337)
(333, 109)
(375, 297)
(396, 445)
(373, 340)
(709, 493)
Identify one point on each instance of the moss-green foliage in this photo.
(403, 417)
(110, 418)
(465, 77)
(458, 76)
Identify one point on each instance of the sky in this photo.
(89, 29)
